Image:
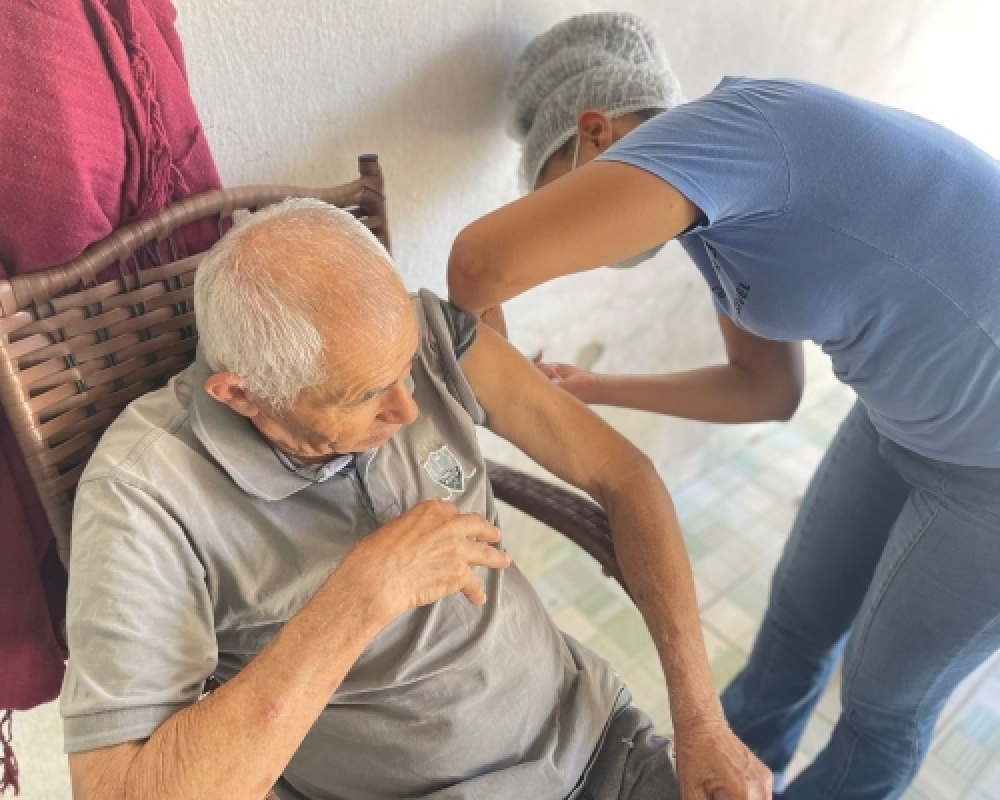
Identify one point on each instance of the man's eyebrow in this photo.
(368, 396)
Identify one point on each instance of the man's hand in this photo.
(712, 764)
(424, 555)
(264, 713)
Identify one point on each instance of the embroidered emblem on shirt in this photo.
(445, 471)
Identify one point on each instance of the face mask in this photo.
(625, 263)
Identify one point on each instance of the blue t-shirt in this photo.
(870, 231)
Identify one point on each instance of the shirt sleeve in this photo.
(139, 618)
(462, 326)
(451, 332)
(719, 151)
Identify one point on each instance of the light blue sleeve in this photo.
(718, 151)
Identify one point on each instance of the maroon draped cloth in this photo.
(97, 129)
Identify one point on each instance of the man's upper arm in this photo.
(139, 618)
(555, 429)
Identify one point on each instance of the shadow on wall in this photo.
(453, 94)
(438, 131)
(432, 115)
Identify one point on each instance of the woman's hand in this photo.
(578, 382)
(712, 764)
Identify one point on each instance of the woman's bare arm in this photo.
(763, 380)
(596, 215)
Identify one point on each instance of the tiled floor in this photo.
(762, 472)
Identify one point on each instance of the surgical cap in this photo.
(610, 62)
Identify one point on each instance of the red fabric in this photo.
(97, 129)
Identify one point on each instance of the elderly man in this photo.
(305, 514)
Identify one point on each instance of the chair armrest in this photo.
(574, 516)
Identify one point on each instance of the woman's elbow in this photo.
(466, 271)
(786, 402)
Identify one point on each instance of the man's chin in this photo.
(374, 442)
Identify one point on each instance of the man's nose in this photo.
(403, 408)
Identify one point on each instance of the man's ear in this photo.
(225, 388)
(597, 128)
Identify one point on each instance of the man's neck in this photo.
(295, 458)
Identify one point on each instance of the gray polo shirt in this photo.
(194, 542)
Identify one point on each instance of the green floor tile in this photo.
(575, 577)
(725, 666)
(610, 651)
(628, 630)
(648, 688)
(601, 603)
(751, 596)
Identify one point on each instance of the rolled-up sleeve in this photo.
(139, 618)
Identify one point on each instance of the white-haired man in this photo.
(305, 514)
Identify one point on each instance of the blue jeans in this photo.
(894, 560)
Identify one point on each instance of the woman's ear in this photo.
(596, 128)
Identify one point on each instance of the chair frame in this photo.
(75, 350)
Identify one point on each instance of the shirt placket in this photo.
(379, 500)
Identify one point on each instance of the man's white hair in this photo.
(260, 321)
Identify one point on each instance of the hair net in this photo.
(610, 62)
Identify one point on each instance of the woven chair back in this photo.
(74, 351)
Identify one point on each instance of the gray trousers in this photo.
(633, 763)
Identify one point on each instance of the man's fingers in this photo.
(435, 510)
(473, 589)
(482, 555)
(474, 526)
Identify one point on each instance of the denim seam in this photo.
(847, 760)
(848, 683)
(914, 743)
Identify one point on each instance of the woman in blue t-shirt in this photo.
(816, 216)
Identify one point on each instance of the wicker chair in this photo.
(74, 351)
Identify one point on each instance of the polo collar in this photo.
(316, 473)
